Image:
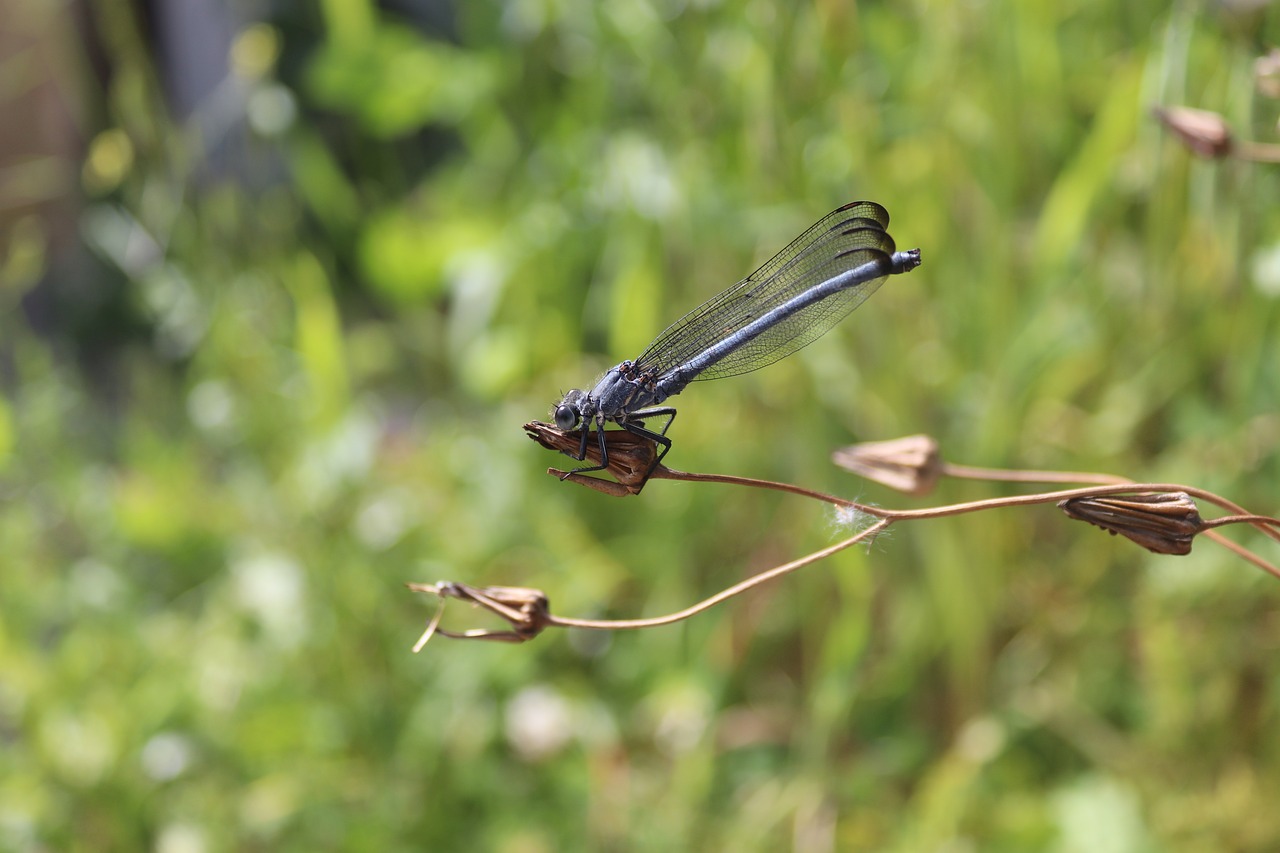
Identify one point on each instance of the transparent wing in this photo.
(843, 240)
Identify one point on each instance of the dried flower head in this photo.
(1162, 523)
(527, 610)
(910, 464)
(1205, 133)
(631, 457)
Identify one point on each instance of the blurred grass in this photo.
(265, 361)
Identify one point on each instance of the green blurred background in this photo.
(281, 282)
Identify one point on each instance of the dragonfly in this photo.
(791, 301)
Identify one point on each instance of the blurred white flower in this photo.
(539, 722)
(167, 756)
(271, 587)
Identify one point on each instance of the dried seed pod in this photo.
(631, 457)
(909, 464)
(1162, 523)
(527, 610)
(1205, 133)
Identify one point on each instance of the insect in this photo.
(791, 301)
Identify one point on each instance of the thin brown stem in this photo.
(1243, 553)
(724, 595)
(1257, 152)
(1090, 491)
(1159, 516)
(1242, 519)
(1120, 486)
(431, 627)
(751, 482)
(1009, 475)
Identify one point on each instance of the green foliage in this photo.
(263, 363)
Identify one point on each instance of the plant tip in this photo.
(1162, 523)
(909, 464)
(1204, 132)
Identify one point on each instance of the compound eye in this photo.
(566, 417)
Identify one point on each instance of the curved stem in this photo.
(1009, 475)
(1243, 519)
(723, 595)
(751, 482)
(1257, 152)
(1120, 485)
(1243, 553)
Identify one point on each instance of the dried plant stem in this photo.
(431, 627)
(723, 595)
(1107, 485)
(1008, 475)
(1117, 485)
(1161, 517)
(1243, 552)
(751, 482)
(1263, 523)
(1244, 519)
(1268, 525)
(1257, 152)
(1012, 476)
